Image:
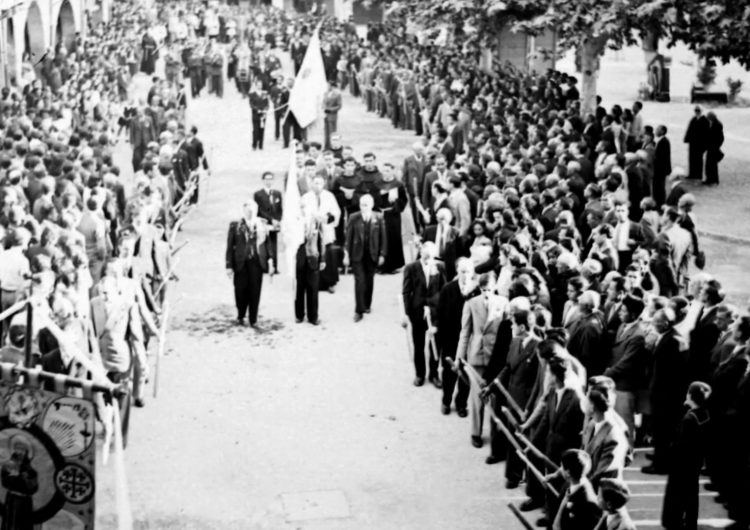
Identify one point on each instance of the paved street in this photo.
(293, 426)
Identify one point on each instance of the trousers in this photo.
(247, 285)
(364, 283)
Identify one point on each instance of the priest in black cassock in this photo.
(390, 200)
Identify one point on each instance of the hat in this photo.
(614, 492)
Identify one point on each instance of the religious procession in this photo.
(437, 221)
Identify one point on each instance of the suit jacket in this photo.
(703, 338)
(142, 132)
(669, 376)
(412, 175)
(662, 159)
(270, 206)
(561, 423)
(521, 369)
(239, 240)
(429, 179)
(629, 358)
(449, 310)
(196, 155)
(420, 292)
(579, 510)
(587, 341)
(355, 237)
(697, 132)
(608, 448)
(478, 332)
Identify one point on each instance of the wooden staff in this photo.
(12, 310)
(407, 329)
(512, 402)
(509, 436)
(521, 517)
(456, 367)
(160, 349)
(530, 447)
(430, 343)
(166, 277)
(122, 497)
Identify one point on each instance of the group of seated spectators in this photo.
(563, 282)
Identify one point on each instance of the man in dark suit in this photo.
(423, 280)
(705, 334)
(447, 240)
(196, 157)
(449, 310)
(440, 173)
(669, 383)
(412, 175)
(270, 208)
(662, 165)
(180, 168)
(247, 260)
(697, 139)
(714, 155)
(518, 376)
(629, 359)
(142, 133)
(365, 249)
(587, 337)
(578, 509)
(627, 235)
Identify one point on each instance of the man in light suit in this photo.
(247, 260)
(479, 324)
(423, 280)
(94, 230)
(270, 208)
(366, 249)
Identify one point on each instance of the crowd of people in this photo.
(560, 280)
(87, 245)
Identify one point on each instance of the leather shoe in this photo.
(650, 457)
(140, 403)
(436, 382)
(511, 484)
(418, 381)
(240, 321)
(357, 317)
(653, 470)
(491, 459)
(462, 413)
(445, 409)
(368, 310)
(298, 320)
(315, 322)
(331, 290)
(529, 505)
(476, 441)
(542, 522)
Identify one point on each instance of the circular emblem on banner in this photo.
(75, 483)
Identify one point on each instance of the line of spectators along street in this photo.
(92, 251)
(556, 259)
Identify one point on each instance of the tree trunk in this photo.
(650, 47)
(590, 52)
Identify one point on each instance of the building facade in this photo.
(29, 28)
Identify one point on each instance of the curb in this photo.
(726, 238)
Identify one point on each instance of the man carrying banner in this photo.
(310, 85)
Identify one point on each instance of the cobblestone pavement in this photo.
(295, 426)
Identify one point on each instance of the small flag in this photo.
(292, 222)
(310, 85)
